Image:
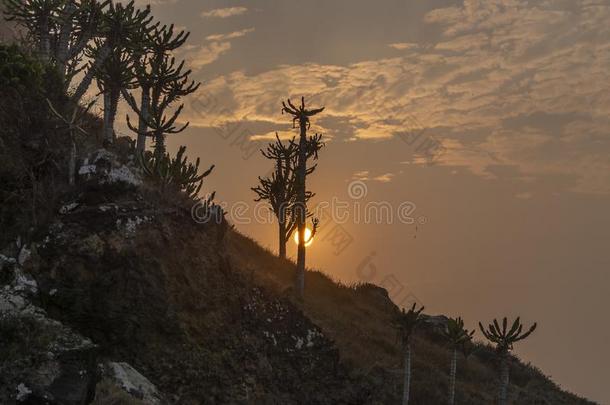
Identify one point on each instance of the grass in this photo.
(358, 318)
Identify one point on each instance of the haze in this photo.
(510, 211)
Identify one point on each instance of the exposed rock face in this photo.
(104, 167)
(44, 362)
(132, 382)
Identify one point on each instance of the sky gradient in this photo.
(509, 208)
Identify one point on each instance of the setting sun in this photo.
(308, 237)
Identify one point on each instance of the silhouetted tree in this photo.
(115, 75)
(77, 24)
(167, 82)
(175, 174)
(121, 27)
(61, 29)
(280, 189)
(38, 17)
(504, 339)
(405, 323)
(457, 336)
(149, 70)
(307, 147)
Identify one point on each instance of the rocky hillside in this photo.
(122, 287)
(112, 294)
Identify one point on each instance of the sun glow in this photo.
(308, 237)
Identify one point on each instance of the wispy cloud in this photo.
(224, 12)
(401, 46)
(231, 35)
(384, 178)
(206, 54)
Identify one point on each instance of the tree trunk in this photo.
(111, 101)
(88, 78)
(106, 123)
(142, 126)
(452, 374)
(64, 38)
(282, 239)
(301, 210)
(45, 39)
(407, 376)
(159, 144)
(72, 163)
(503, 383)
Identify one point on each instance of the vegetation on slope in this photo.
(204, 312)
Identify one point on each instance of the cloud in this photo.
(206, 54)
(231, 35)
(384, 178)
(522, 84)
(524, 196)
(361, 175)
(364, 175)
(270, 136)
(224, 12)
(401, 46)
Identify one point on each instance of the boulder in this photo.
(128, 379)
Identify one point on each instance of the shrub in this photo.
(18, 70)
(174, 174)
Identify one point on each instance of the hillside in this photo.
(112, 294)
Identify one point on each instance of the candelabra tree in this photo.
(78, 25)
(504, 338)
(122, 27)
(405, 323)
(169, 82)
(61, 29)
(115, 75)
(279, 190)
(151, 71)
(175, 174)
(38, 17)
(301, 116)
(457, 336)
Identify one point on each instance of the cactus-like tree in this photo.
(405, 323)
(61, 29)
(38, 17)
(122, 27)
(78, 24)
(115, 73)
(279, 190)
(174, 174)
(114, 76)
(504, 338)
(172, 85)
(457, 336)
(301, 115)
(152, 72)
